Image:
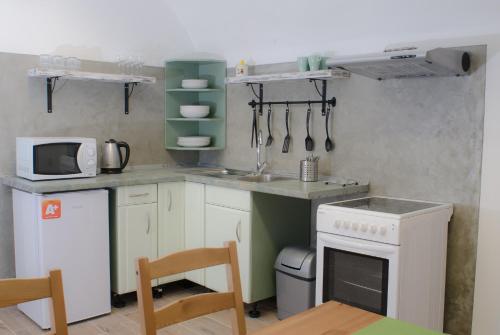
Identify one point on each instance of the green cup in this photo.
(314, 62)
(303, 64)
(322, 64)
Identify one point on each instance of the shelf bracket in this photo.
(128, 87)
(259, 96)
(321, 93)
(51, 85)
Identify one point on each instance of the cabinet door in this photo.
(136, 237)
(170, 222)
(226, 224)
(195, 224)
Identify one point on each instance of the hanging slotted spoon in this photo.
(270, 136)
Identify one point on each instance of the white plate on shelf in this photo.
(194, 111)
(193, 141)
(194, 83)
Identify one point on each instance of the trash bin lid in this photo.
(297, 261)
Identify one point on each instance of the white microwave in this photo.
(45, 158)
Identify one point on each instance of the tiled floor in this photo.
(125, 321)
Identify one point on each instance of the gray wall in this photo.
(89, 109)
(412, 138)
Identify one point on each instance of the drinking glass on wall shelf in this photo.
(72, 63)
(58, 62)
(131, 65)
(45, 61)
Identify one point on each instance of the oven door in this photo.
(357, 272)
(57, 159)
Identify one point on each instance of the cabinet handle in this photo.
(136, 195)
(169, 200)
(238, 230)
(149, 225)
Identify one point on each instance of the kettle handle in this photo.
(127, 153)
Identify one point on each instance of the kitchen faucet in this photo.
(260, 165)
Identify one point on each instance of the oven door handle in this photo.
(360, 246)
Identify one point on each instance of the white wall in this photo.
(93, 29)
(487, 288)
(280, 30)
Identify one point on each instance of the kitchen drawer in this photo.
(228, 197)
(138, 194)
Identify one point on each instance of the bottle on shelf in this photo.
(242, 69)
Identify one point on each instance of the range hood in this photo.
(406, 63)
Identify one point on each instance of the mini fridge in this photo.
(67, 231)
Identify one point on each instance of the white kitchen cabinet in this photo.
(171, 202)
(227, 224)
(194, 221)
(134, 235)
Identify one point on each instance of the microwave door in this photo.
(56, 159)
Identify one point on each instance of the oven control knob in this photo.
(355, 226)
(373, 229)
(91, 162)
(364, 227)
(383, 230)
(347, 224)
(337, 223)
(91, 152)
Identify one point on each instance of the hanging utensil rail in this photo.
(324, 101)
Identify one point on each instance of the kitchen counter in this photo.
(290, 187)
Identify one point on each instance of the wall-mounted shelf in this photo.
(186, 90)
(321, 74)
(81, 75)
(52, 75)
(195, 149)
(183, 119)
(214, 125)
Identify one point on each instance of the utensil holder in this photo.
(308, 170)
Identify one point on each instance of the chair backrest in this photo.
(17, 291)
(197, 305)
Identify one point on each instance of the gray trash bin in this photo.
(295, 280)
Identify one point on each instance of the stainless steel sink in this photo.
(239, 175)
(226, 173)
(263, 178)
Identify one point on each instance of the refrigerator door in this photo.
(74, 237)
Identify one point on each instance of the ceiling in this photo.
(264, 31)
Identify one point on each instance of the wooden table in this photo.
(330, 318)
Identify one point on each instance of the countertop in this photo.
(291, 187)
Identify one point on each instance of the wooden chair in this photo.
(17, 291)
(194, 306)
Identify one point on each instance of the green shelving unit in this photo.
(214, 125)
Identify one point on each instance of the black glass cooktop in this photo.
(386, 205)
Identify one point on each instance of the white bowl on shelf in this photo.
(194, 83)
(193, 141)
(194, 111)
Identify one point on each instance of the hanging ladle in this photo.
(329, 145)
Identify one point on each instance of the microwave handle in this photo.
(359, 245)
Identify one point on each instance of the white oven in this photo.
(43, 158)
(384, 255)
